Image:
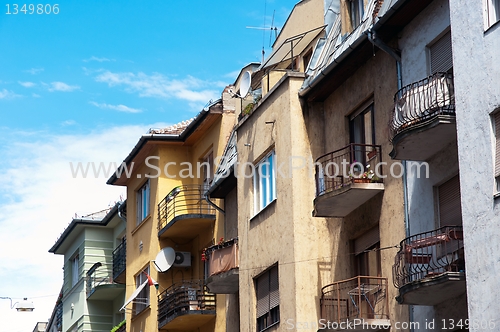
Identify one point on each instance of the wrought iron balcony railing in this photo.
(356, 298)
(351, 164)
(421, 101)
(58, 316)
(119, 259)
(222, 257)
(429, 254)
(184, 298)
(183, 200)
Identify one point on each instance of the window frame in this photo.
(491, 15)
(143, 197)
(267, 181)
(145, 293)
(356, 10)
(496, 151)
(271, 316)
(75, 269)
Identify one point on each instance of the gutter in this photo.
(164, 137)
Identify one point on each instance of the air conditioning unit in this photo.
(182, 259)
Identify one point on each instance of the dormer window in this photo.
(356, 11)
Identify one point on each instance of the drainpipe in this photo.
(396, 54)
(207, 198)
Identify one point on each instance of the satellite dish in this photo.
(246, 81)
(165, 259)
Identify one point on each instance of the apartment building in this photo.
(90, 299)
(169, 224)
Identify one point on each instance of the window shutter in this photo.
(450, 210)
(497, 144)
(441, 55)
(274, 293)
(262, 295)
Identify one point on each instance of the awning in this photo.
(134, 294)
(292, 46)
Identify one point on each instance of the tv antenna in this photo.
(271, 28)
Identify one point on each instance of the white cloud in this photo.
(68, 123)
(35, 95)
(27, 84)
(61, 86)
(38, 198)
(6, 94)
(120, 108)
(94, 58)
(160, 86)
(34, 71)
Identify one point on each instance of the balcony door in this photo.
(362, 131)
(449, 203)
(367, 254)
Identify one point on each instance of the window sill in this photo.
(270, 326)
(136, 316)
(491, 27)
(267, 207)
(496, 196)
(141, 223)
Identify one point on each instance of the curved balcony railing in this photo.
(429, 254)
(183, 200)
(184, 298)
(97, 278)
(422, 100)
(356, 298)
(353, 163)
(119, 259)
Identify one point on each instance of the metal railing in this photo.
(429, 254)
(353, 163)
(184, 298)
(221, 257)
(183, 200)
(360, 297)
(422, 100)
(122, 328)
(97, 278)
(58, 316)
(119, 259)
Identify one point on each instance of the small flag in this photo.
(151, 281)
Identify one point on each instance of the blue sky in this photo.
(83, 85)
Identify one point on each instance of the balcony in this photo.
(59, 315)
(430, 267)
(185, 306)
(356, 304)
(100, 285)
(222, 266)
(346, 179)
(184, 213)
(120, 263)
(423, 120)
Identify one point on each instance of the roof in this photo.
(176, 133)
(94, 219)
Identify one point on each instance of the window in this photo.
(141, 302)
(440, 55)
(142, 196)
(450, 210)
(265, 182)
(362, 131)
(268, 298)
(367, 254)
(75, 273)
(356, 12)
(208, 169)
(496, 123)
(491, 12)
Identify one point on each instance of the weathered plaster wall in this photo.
(477, 94)
(417, 35)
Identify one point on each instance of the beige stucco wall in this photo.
(375, 80)
(284, 232)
